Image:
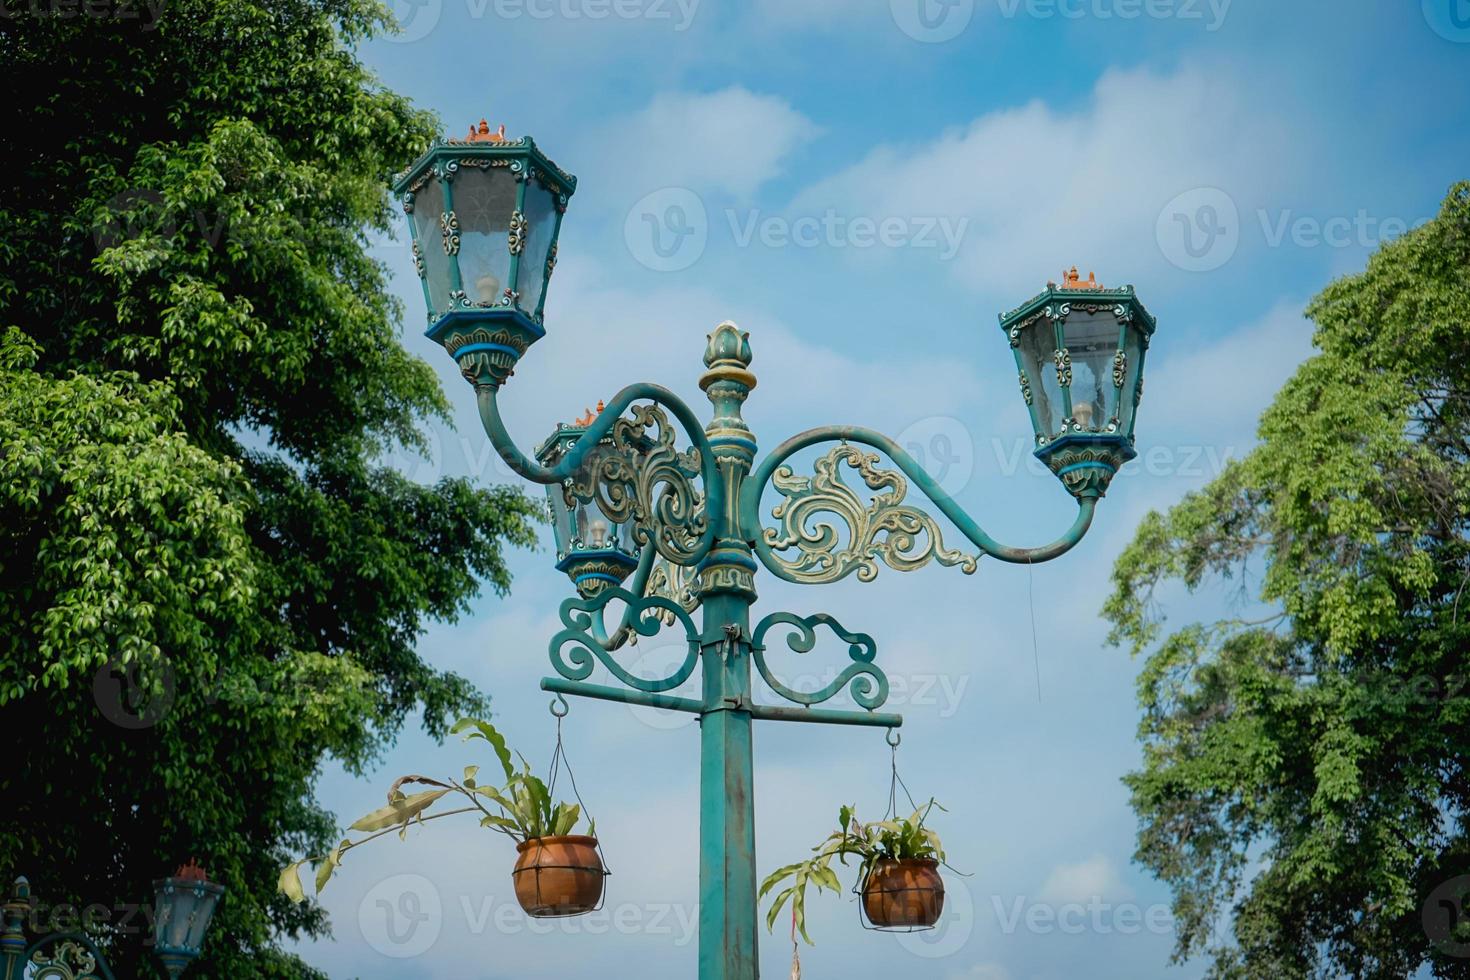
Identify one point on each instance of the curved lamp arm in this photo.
(637, 587)
(885, 528)
(568, 465)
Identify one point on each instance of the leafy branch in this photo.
(522, 808)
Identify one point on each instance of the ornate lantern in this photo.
(1079, 349)
(594, 551)
(484, 213)
(183, 907)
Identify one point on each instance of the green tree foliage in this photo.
(208, 584)
(1305, 774)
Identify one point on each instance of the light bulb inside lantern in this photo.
(487, 289)
(597, 538)
(1083, 415)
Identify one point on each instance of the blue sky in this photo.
(1227, 158)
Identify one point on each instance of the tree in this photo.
(208, 582)
(1306, 771)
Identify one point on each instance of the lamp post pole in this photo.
(683, 526)
(727, 868)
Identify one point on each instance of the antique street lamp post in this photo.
(670, 531)
(183, 907)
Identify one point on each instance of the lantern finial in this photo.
(1072, 279)
(191, 871)
(589, 417)
(482, 134)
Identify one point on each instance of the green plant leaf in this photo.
(401, 811)
(483, 729)
(776, 877)
(564, 819)
(289, 883)
(776, 907)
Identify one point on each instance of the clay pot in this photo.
(557, 876)
(907, 894)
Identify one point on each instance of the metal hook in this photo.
(564, 707)
(893, 737)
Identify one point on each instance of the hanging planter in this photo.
(557, 872)
(898, 882)
(558, 876)
(903, 894)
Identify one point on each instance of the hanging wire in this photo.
(559, 759)
(894, 739)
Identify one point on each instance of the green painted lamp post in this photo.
(672, 531)
(183, 907)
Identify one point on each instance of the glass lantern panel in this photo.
(484, 200)
(1092, 340)
(1133, 353)
(540, 211)
(1038, 359)
(428, 210)
(174, 909)
(561, 518)
(594, 532)
(203, 913)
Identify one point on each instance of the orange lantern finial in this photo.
(1072, 279)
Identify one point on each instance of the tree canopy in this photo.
(208, 581)
(1305, 790)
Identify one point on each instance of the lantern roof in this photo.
(1088, 292)
(480, 144)
(567, 433)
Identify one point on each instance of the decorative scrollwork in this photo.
(66, 959)
(1025, 387)
(645, 616)
(676, 582)
(1063, 358)
(885, 529)
(641, 477)
(515, 239)
(869, 683)
(449, 232)
(1120, 368)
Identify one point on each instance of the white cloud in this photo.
(1084, 881)
(728, 142)
(1044, 188)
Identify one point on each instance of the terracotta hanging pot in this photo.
(907, 894)
(558, 876)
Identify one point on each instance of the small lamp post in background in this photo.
(667, 531)
(183, 906)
